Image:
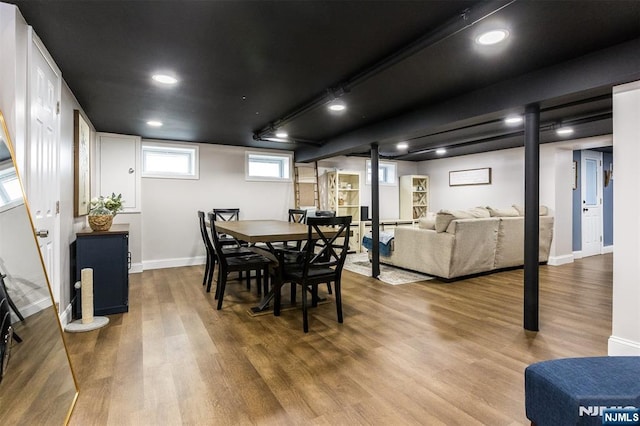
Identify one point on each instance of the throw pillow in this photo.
(444, 217)
(428, 222)
(544, 210)
(508, 212)
(479, 212)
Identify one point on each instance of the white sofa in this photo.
(466, 242)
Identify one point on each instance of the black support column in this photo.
(531, 218)
(375, 211)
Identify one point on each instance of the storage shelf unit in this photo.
(343, 190)
(414, 196)
(343, 193)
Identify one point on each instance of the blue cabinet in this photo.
(107, 253)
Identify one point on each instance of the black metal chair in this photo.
(228, 250)
(242, 263)
(320, 262)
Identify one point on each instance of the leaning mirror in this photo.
(37, 385)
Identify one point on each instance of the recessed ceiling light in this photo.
(512, 120)
(402, 145)
(564, 131)
(164, 78)
(441, 151)
(337, 105)
(492, 37)
(154, 123)
(281, 134)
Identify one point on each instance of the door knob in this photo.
(42, 233)
(585, 209)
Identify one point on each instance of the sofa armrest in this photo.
(422, 250)
(474, 250)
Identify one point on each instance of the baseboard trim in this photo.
(607, 249)
(623, 347)
(173, 263)
(34, 307)
(577, 254)
(136, 268)
(560, 260)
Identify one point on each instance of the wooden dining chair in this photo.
(228, 215)
(210, 253)
(320, 262)
(238, 263)
(297, 215)
(227, 250)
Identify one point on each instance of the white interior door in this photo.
(591, 184)
(42, 157)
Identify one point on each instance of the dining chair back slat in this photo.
(297, 215)
(226, 214)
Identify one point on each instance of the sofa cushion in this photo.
(427, 222)
(506, 212)
(544, 210)
(444, 217)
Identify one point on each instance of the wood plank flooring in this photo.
(424, 353)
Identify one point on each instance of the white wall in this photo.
(507, 180)
(625, 336)
(13, 77)
(69, 224)
(170, 232)
(389, 195)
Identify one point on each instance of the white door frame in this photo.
(591, 213)
(34, 42)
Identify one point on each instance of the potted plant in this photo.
(103, 210)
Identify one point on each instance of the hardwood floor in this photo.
(424, 353)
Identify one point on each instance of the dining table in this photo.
(267, 232)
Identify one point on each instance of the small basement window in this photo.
(272, 167)
(173, 161)
(386, 173)
(10, 189)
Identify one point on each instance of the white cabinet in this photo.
(118, 168)
(414, 196)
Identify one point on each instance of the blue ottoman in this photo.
(575, 391)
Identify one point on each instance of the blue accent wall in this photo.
(577, 206)
(607, 200)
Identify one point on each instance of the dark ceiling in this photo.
(407, 70)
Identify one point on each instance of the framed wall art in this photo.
(82, 171)
(470, 177)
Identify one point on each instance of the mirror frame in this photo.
(8, 141)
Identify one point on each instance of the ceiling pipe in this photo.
(288, 140)
(460, 22)
(544, 127)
